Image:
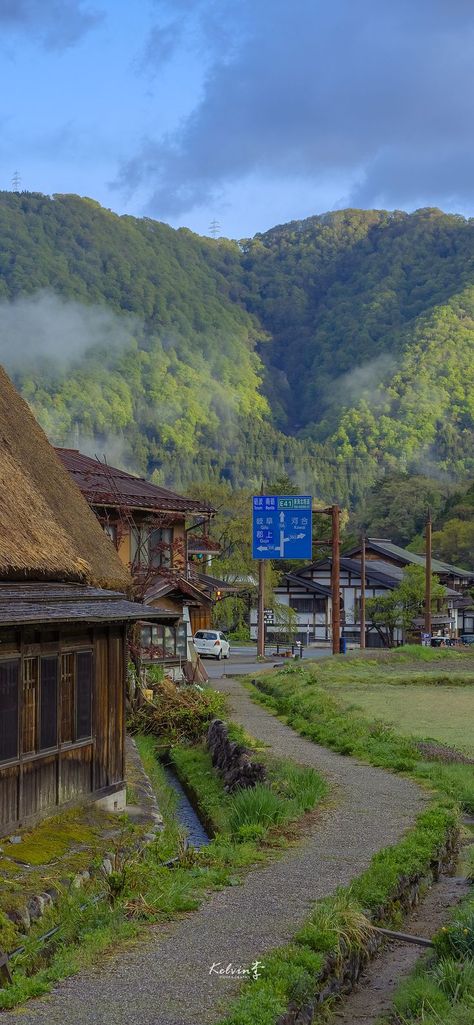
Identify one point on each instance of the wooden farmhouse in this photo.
(308, 592)
(64, 615)
(148, 526)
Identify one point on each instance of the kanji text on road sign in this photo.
(282, 526)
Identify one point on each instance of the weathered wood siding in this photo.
(34, 785)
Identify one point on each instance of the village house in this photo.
(64, 617)
(167, 558)
(307, 592)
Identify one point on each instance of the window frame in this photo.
(39, 656)
(16, 660)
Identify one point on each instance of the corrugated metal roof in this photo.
(68, 603)
(106, 485)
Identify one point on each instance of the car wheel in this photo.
(227, 656)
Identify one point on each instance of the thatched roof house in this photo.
(63, 632)
(47, 530)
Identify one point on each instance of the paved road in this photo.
(166, 979)
(243, 661)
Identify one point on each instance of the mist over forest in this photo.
(336, 350)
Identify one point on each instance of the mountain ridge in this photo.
(334, 349)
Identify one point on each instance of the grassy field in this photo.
(422, 692)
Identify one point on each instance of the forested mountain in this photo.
(334, 349)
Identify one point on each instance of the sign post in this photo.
(282, 529)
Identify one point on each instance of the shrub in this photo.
(178, 713)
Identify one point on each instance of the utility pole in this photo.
(261, 609)
(335, 579)
(362, 592)
(261, 602)
(428, 533)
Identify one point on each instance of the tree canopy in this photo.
(337, 350)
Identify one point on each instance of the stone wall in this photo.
(233, 760)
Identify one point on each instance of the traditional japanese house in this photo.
(148, 526)
(64, 615)
(307, 592)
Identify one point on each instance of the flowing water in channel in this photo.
(195, 831)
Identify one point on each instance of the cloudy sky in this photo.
(250, 112)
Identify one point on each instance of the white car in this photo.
(212, 643)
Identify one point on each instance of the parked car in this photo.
(212, 643)
(467, 638)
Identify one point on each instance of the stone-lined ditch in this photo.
(377, 985)
(197, 833)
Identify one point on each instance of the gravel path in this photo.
(165, 980)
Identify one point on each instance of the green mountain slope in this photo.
(334, 349)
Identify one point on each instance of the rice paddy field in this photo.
(423, 692)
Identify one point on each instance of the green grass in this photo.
(440, 991)
(339, 925)
(312, 699)
(143, 888)
(321, 712)
(415, 710)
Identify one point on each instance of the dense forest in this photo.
(337, 350)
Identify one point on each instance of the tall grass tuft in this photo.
(258, 806)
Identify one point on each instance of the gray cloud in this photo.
(382, 94)
(57, 24)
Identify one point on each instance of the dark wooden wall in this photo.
(32, 786)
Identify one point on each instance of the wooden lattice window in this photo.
(84, 695)
(9, 680)
(29, 734)
(49, 702)
(67, 697)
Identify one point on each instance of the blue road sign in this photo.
(282, 527)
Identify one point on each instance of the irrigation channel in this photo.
(196, 833)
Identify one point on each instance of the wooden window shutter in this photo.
(9, 688)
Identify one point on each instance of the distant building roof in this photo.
(25, 603)
(47, 531)
(377, 571)
(104, 485)
(308, 584)
(388, 548)
(162, 587)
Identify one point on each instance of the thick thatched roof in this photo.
(47, 531)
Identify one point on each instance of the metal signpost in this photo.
(282, 529)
